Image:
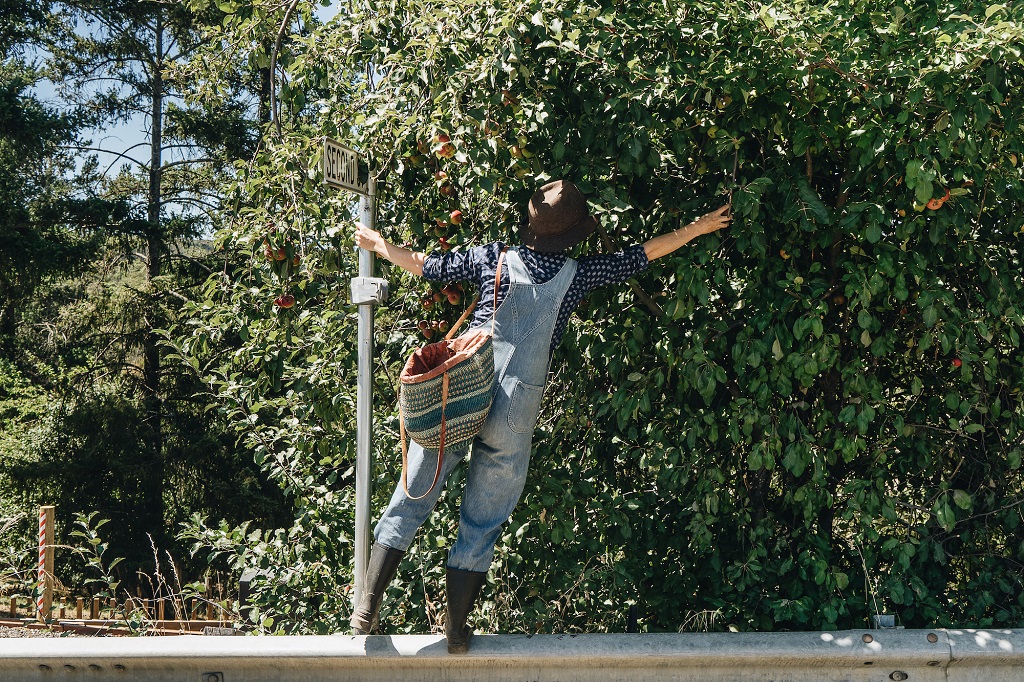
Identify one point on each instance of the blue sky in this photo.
(120, 138)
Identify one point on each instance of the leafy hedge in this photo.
(811, 418)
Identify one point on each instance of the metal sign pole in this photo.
(345, 169)
(364, 408)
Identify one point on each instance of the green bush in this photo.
(812, 417)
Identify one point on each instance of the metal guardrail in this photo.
(853, 656)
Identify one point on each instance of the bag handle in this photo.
(444, 394)
(458, 323)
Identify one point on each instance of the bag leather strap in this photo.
(444, 394)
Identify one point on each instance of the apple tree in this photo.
(808, 419)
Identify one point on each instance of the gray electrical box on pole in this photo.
(344, 169)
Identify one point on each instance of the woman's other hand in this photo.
(712, 222)
(369, 239)
(706, 224)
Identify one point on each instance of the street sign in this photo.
(343, 168)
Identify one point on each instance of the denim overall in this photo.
(524, 323)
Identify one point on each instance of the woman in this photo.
(539, 287)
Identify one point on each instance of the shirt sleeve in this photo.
(451, 266)
(596, 271)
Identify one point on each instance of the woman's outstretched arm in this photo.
(665, 244)
(404, 258)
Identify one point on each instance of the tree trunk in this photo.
(154, 477)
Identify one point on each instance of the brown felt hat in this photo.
(559, 218)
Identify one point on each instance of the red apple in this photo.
(424, 325)
(438, 297)
(456, 217)
(454, 297)
(284, 301)
(440, 176)
(428, 333)
(443, 326)
(445, 246)
(443, 146)
(296, 259)
(957, 362)
(446, 189)
(279, 253)
(428, 302)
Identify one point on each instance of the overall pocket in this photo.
(524, 407)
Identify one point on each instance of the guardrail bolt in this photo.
(45, 668)
(932, 637)
(213, 677)
(898, 675)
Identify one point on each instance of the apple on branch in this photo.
(443, 146)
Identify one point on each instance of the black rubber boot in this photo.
(383, 564)
(463, 589)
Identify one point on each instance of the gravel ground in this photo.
(31, 632)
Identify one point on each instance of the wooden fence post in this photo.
(44, 602)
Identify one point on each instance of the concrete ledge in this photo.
(857, 655)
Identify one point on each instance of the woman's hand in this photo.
(667, 243)
(369, 239)
(404, 258)
(712, 222)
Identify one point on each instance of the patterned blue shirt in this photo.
(478, 265)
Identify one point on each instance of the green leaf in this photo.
(945, 515)
(993, 9)
(923, 191)
(754, 460)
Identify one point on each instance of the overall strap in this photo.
(517, 268)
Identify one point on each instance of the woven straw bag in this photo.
(445, 390)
